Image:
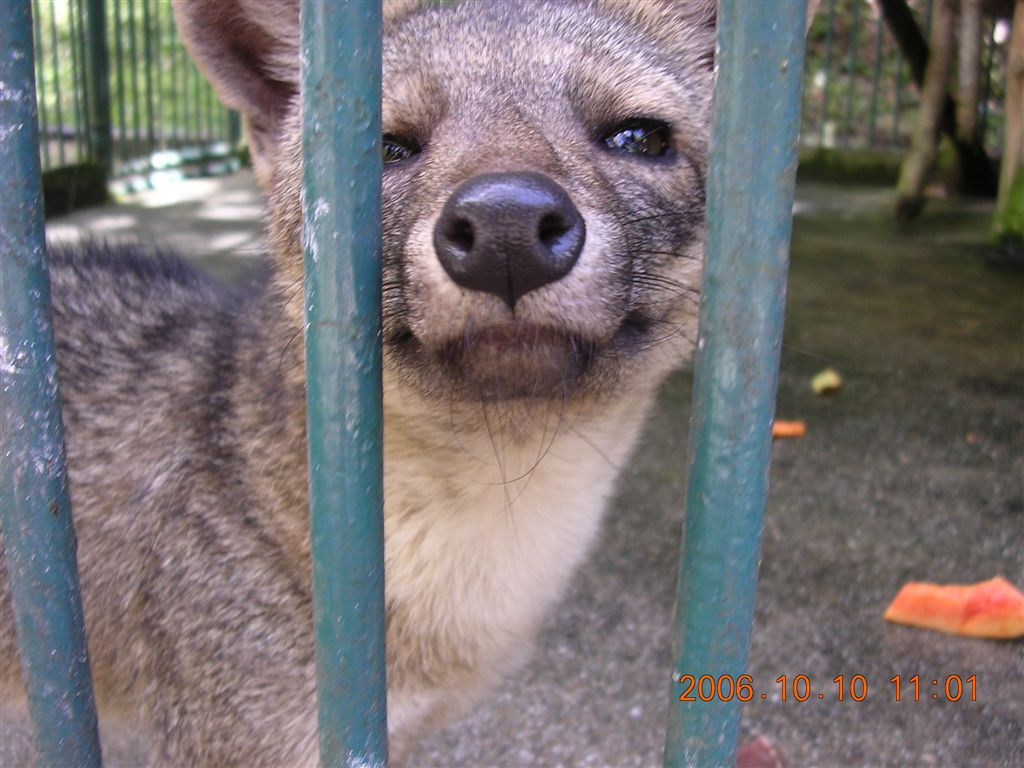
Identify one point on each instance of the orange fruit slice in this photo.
(993, 608)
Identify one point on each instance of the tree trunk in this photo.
(977, 173)
(969, 71)
(924, 145)
(1008, 223)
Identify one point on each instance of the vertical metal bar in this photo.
(201, 111)
(208, 111)
(35, 512)
(185, 99)
(56, 86)
(197, 109)
(82, 85)
(44, 122)
(133, 54)
(341, 78)
(875, 78)
(222, 121)
(122, 117)
(99, 85)
(750, 196)
(177, 51)
(147, 30)
(851, 76)
(76, 82)
(829, 35)
(234, 129)
(157, 99)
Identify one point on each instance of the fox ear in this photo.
(249, 50)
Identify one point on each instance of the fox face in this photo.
(542, 188)
(544, 214)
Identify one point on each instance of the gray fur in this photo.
(184, 400)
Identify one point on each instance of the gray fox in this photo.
(543, 205)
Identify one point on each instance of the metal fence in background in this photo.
(858, 89)
(115, 87)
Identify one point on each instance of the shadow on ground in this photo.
(215, 221)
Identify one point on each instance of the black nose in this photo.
(508, 234)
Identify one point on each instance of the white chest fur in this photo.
(480, 539)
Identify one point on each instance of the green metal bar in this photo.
(875, 78)
(208, 111)
(77, 89)
(750, 197)
(341, 80)
(851, 75)
(122, 117)
(177, 51)
(185, 97)
(44, 122)
(211, 115)
(156, 101)
(829, 36)
(197, 109)
(134, 56)
(82, 84)
(101, 139)
(147, 44)
(234, 128)
(222, 120)
(35, 512)
(61, 158)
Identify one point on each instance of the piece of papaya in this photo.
(992, 609)
(783, 428)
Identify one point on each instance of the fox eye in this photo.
(640, 137)
(397, 148)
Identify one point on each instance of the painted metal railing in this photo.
(751, 181)
(116, 87)
(35, 510)
(341, 77)
(750, 197)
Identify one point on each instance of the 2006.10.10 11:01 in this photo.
(951, 688)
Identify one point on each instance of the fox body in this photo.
(542, 215)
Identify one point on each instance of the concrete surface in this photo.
(216, 221)
(915, 470)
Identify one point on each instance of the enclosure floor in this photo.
(913, 471)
